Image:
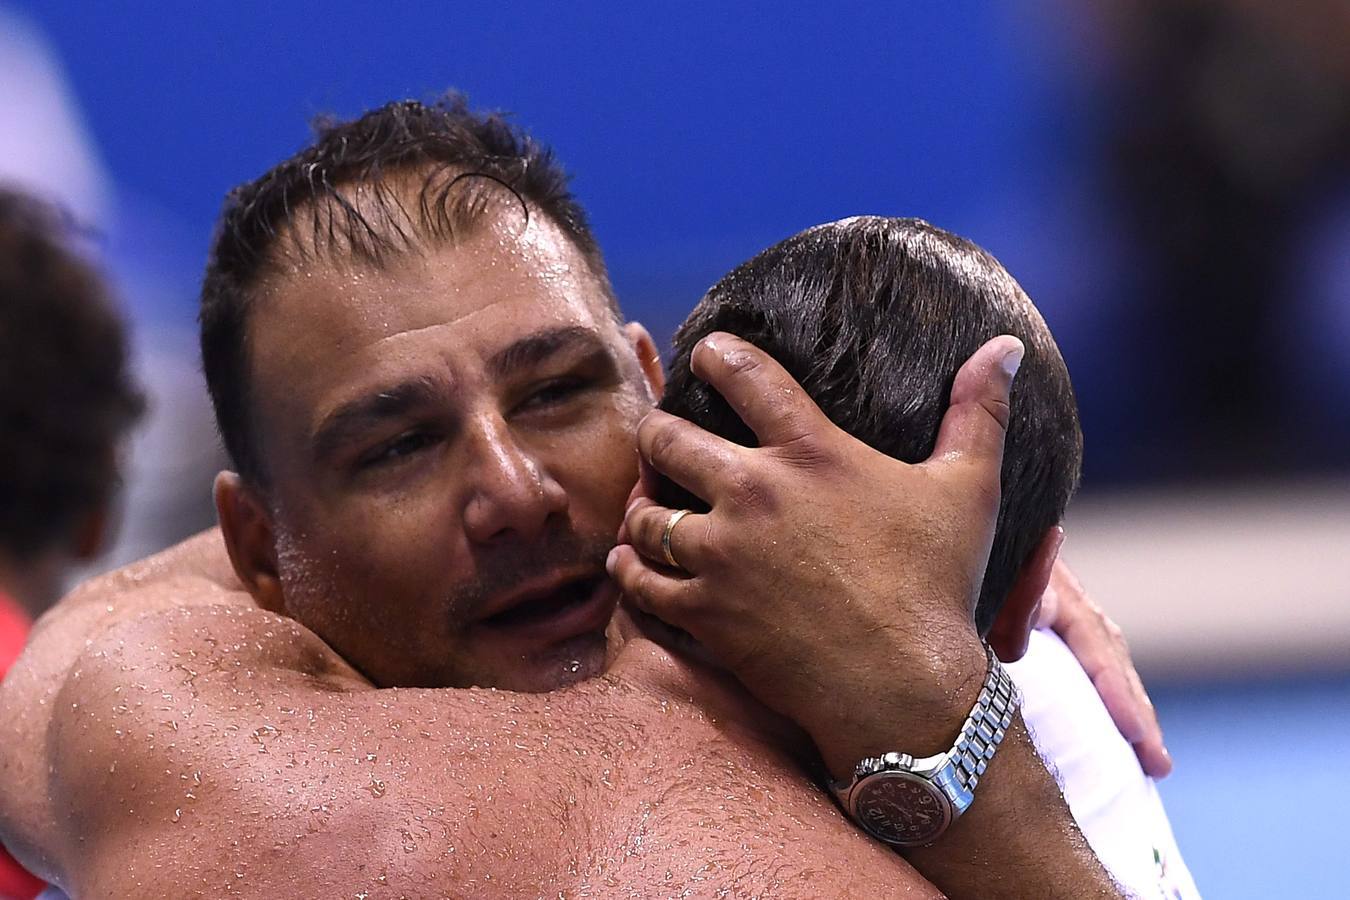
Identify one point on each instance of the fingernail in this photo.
(1013, 360)
(612, 560)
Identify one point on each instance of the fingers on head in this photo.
(978, 414)
(759, 389)
(685, 453)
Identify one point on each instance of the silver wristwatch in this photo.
(910, 802)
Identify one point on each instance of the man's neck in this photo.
(672, 662)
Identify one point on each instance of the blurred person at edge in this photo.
(484, 334)
(66, 403)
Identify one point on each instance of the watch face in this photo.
(901, 808)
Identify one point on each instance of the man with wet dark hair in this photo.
(442, 410)
(457, 162)
(67, 401)
(873, 317)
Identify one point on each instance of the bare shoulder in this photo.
(276, 770)
(194, 573)
(214, 748)
(86, 648)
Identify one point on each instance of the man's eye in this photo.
(553, 392)
(400, 447)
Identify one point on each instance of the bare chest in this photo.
(645, 794)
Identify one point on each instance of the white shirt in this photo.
(1115, 804)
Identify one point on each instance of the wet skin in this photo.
(451, 447)
(254, 762)
(450, 444)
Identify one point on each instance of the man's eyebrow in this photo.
(353, 418)
(536, 348)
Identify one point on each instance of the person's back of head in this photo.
(873, 317)
(66, 395)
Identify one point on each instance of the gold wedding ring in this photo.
(674, 520)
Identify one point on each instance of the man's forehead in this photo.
(503, 257)
(317, 329)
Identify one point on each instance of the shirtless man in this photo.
(431, 402)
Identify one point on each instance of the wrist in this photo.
(917, 707)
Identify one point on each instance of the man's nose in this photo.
(509, 492)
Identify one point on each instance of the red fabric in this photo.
(13, 631)
(15, 881)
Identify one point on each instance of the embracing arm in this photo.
(194, 573)
(197, 744)
(1100, 648)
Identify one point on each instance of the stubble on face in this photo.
(312, 585)
(401, 603)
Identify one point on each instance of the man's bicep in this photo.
(158, 741)
(277, 765)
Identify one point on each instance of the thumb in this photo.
(976, 420)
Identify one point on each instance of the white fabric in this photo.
(1115, 804)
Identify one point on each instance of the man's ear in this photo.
(1017, 617)
(648, 357)
(246, 525)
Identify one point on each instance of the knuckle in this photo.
(624, 575)
(662, 442)
(714, 553)
(740, 358)
(647, 587)
(1113, 631)
(807, 450)
(692, 601)
(650, 528)
(646, 582)
(746, 490)
(998, 409)
(632, 518)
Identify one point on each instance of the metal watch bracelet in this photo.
(910, 802)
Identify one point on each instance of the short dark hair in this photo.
(873, 316)
(301, 207)
(66, 393)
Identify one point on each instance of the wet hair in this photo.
(873, 316)
(67, 397)
(397, 180)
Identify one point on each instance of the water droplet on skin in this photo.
(376, 787)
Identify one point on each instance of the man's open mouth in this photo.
(558, 611)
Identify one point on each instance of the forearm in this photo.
(1018, 839)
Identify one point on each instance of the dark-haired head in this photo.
(398, 180)
(67, 397)
(873, 316)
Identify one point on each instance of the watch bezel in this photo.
(867, 791)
